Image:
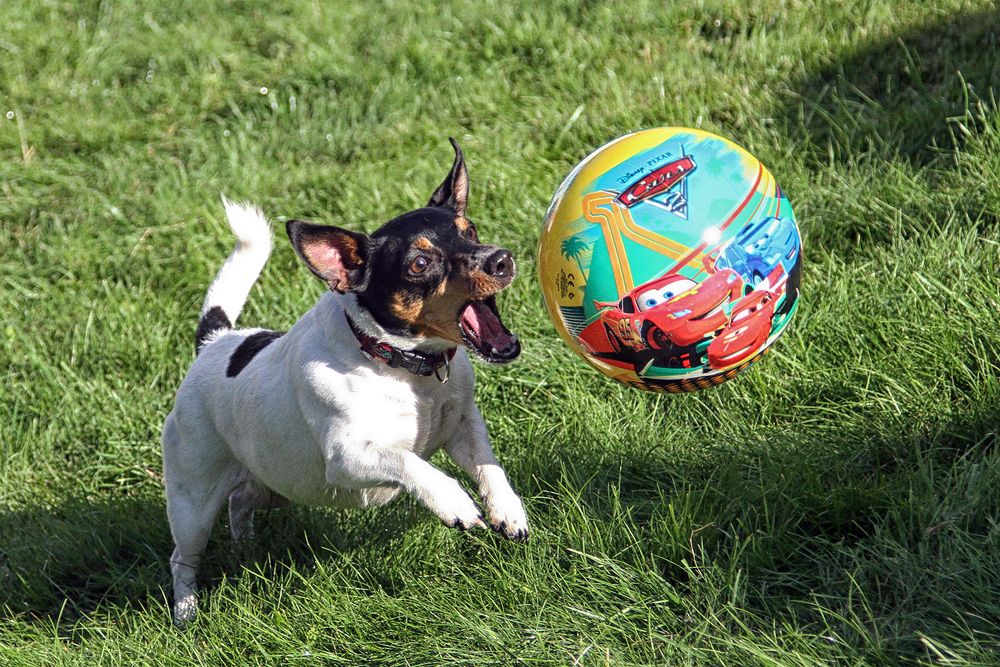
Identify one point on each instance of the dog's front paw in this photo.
(507, 516)
(455, 508)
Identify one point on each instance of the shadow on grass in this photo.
(879, 130)
(875, 533)
(84, 558)
(71, 559)
(902, 94)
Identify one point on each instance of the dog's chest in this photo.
(419, 415)
(436, 419)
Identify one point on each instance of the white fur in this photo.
(312, 420)
(253, 246)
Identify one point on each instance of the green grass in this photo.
(837, 504)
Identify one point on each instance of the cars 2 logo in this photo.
(658, 181)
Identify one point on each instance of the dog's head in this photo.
(422, 275)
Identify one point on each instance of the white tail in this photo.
(232, 284)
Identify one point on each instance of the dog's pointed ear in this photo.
(335, 255)
(454, 192)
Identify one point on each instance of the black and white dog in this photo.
(345, 408)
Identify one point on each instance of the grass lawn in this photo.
(836, 505)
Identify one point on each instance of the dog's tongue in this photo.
(481, 320)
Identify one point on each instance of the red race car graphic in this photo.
(667, 321)
(750, 323)
(746, 333)
(670, 310)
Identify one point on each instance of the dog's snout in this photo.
(500, 264)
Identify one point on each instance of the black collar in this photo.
(414, 362)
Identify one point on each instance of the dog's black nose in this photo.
(500, 264)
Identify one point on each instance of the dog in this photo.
(346, 408)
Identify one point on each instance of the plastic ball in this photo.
(670, 259)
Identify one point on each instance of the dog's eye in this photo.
(470, 232)
(419, 264)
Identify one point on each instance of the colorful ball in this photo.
(670, 259)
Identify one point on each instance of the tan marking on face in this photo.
(464, 227)
(441, 310)
(435, 316)
(423, 244)
(484, 285)
(404, 307)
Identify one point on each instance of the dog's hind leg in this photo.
(191, 519)
(197, 485)
(248, 497)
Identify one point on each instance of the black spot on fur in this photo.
(248, 349)
(211, 322)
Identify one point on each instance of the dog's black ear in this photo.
(336, 255)
(454, 192)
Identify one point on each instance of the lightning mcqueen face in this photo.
(747, 331)
(670, 311)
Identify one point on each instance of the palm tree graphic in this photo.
(572, 248)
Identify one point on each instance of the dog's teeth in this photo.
(495, 351)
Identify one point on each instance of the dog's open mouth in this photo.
(484, 333)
